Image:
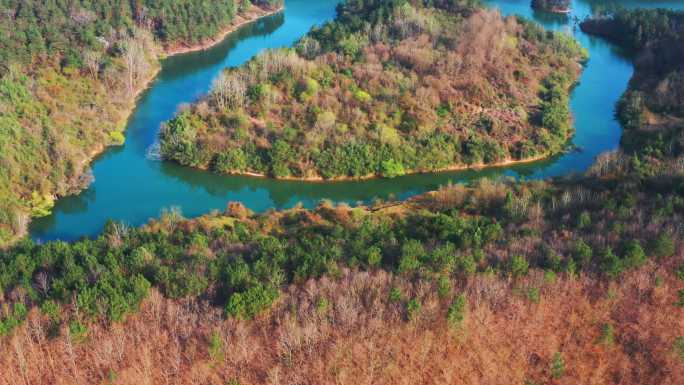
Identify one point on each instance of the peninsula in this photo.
(386, 90)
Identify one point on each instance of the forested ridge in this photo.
(69, 73)
(387, 88)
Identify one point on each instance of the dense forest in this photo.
(389, 87)
(600, 239)
(69, 73)
(566, 281)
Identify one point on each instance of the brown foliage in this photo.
(346, 330)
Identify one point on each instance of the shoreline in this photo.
(320, 179)
(253, 15)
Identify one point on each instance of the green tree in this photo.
(518, 266)
(411, 253)
(392, 169)
(413, 309)
(456, 312)
(557, 366)
(663, 246)
(634, 255)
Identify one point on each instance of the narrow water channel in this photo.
(131, 186)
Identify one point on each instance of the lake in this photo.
(132, 186)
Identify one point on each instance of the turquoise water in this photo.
(131, 186)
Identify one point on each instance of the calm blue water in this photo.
(131, 187)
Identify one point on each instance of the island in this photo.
(386, 90)
(554, 6)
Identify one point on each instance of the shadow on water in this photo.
(180, 65)
(550, 18)
(285, 193)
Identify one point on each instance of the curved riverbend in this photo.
(132, 186)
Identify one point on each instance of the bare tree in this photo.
(135, 60)
(229, 91)
(42, 282)
(21, 222)
(309, 47)
(92, 61)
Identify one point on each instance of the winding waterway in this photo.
(131, 186)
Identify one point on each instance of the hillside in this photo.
(69, 75)
(652, 108)
(387, 88)
(585, 275)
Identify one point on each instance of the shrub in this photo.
(413, 309)
(411, 253)
(557, 366)
(611, 264)
(680, 298)
(322, 306)
(663, 246)
(362, 96)
(678, 347)
(465, 264)
(534, 294)
(216, 346)
(456, 311)
(550, 276)
(583, 253)
(117, 138)
(631, 110)
(518, 266)
(607, 334)
(78, 331)
(13, 319)
(51, 310)
(392, 169)
(584, 220)
(248, 304)
(634, 254)
(308, 89)
(395, 295)
(680, 272)
(281, 155)
(444, 286)
(233, 160)
(441, 259)
(552, 260)
(374, 256)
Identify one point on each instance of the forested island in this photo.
(69, 75)
(555, 6)
(570, 280)
(387, 88)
